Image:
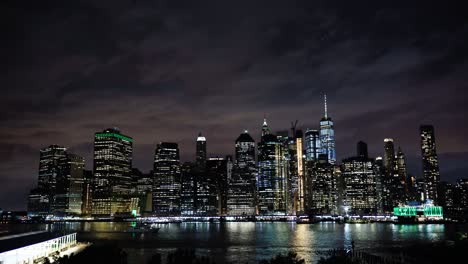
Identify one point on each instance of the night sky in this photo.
(166, 70)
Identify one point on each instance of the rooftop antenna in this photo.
(325, 103)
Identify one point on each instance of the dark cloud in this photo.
(165, 70)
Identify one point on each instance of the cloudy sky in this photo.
(166, 70)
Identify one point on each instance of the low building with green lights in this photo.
(420, 213)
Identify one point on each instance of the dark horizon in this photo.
(167, 70)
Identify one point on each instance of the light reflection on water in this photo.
(247, 241)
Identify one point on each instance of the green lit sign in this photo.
(100, 135)
(413, 211)
(433, 211)
(134, 213)
(404, 211)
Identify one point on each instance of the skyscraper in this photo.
(390, 181)
(52, 160)
(402, 175)
(52, 174)
(73, 184)
(389, 154)
(312, 144)
(217, 173)
(359, 185)
(300, 172)
(362, 149)
(242, 186)
(321, 187)
(188, 189)
(201, 151)
(166, 179)
(112, 172)
(430, 162)
(60, 185)
(271, 181)
(327, 135)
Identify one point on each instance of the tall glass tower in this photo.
(112, 171)
(242, 184)
(166, 181)
(327, 136)
(271, 181)
(312, 144)
(201, 151)
(430, 162)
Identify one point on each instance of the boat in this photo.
(143, 229)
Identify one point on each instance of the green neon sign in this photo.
(404, 211)
(433, 211)
(100, 135)
(413, 211)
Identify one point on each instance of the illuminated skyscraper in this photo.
(430, 162)
(327, 136)
(312, 144)
(300, 172)
(70, 188)
(265, 128)
(242, 186)
(188, 189)
(201, 151)
(402, 175)
(287, 162)
(359, 185)
(60, 183)
(112, 172)
(52, 162)
(166, 180)
(271, 181)
(321, 187)
(52, 172)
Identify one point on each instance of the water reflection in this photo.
(249, 242)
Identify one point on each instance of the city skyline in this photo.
(201, 151)
(127, 64)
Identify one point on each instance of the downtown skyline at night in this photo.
(245, 131)
(88, 66)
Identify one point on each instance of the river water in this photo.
(249, 242)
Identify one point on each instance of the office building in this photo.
(321, 197)
(201, 151)
(271, 180)
(242, 185)
(430, 162)
(359, 181)
(166, 180)
(112, 172)
(327, 135)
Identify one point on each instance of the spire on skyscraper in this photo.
(325, 104)
(265, 128)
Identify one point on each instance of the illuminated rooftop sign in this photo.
(99, 135)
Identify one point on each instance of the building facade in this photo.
(430, 162)
(327, 136)
(112, 172)
(312, 144)
(166, 180)
(271, 180)
(242, 185)
(359, 194)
